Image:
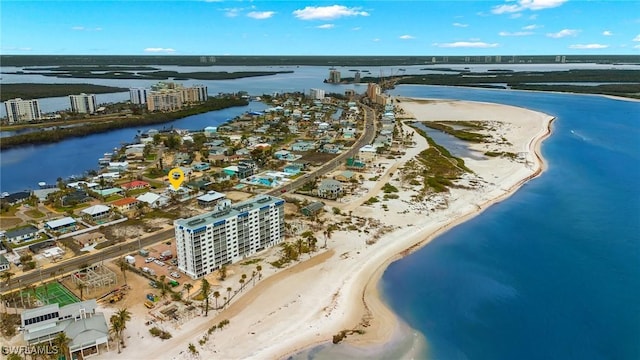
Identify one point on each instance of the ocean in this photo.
(553, 272)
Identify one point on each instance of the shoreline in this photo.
(304, 305)
(372, 303)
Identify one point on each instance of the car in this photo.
(283, 191)
(149, 259)
(175, 275)
(159, 262)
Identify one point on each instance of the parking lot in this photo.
(156, 266)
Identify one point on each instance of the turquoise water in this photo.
(554, 271)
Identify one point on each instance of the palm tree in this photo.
(241, 284)
(62, 342)
(123, 316)
(229, 293)
(115, 328)
(81, 287)
(187, 286)
(205, 289)
(123, 267)
(163, 286)
(6, 276)
(216, 294)
(259, 269)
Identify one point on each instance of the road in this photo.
(366, 138)
(75, 263)
(126, 248)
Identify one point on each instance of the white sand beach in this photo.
(336, 289)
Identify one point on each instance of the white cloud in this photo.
(456, 24)
(637, 38)
(232, 12)
(517, 33)
(82, 28)
(563, 33)
(637, 47)
(160, 50)
(531, 27)
(406, 37)
(523, 5)
(327, 12)
(357, 28)
(13, 48)
(376, 40)
(326, 26)
(607, 33)
(515, 15)
(466, 44)
(261, 15)
(588, 46)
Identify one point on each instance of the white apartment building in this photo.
(206, 242)
(138, 96)
(83, 103)
(19, 110)
(164, 100)
(316, 94)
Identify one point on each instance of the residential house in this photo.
(86, 328)
(210, 199)
(16, 198)
(201, 166)
(313, 208)
(367, 153)
(61, 225)
(154, 200)
(219, 150)
(293, 169)
(89, 239)
(355, 164)
(303, 146)
(329, 189)
(118, 166)
(21, 234)
(108, 192)
(282, 154)
(135, 185)
(75, 197)
(4, 263)
(345, 176)
(125, 205)
(96, 212)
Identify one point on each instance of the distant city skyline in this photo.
(427, 28)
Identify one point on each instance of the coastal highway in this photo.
(118, 250)
(366, 138)
(75, 263)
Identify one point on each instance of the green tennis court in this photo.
(56, 293)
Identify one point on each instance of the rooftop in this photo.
(200, 221)
(61, 222)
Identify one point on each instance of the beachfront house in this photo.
(4, 264)
(367, 153)
(329, 189)
(87, 329)
(313, 208)
(89, 239)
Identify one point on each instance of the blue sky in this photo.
(210, 27)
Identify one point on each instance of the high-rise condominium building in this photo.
(83, 103)
(334, 76)
(206, 242)
(316, 94)
(138, 96)
(22, 110)
(172, 96)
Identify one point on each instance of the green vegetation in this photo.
(509, 155)
(388, 188)
(56, 135)
(460, 134)
(151, 75)
(36, 214)
(157, 332)
(617, 82)
(36, 91)
(372, 200)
